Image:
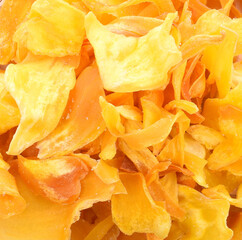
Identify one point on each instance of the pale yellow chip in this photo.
(9, 112)
(40, 87)
(206, 216)
(124, 63)
(47, 32)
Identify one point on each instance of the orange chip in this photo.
(144, 215)
(57, 179)
(81, 123)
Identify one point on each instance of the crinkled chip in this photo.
(9, 112)
(206, 136)
(12, 13)
(225, 154)
(47, 32)
(57, 179)
(206, 216)
(106, 173)
(128, 64)
(144, 215)
(11, 202)
(40, 87)
(81, 122)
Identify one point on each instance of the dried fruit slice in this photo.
(40, 87)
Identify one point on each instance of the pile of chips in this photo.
(121, 120)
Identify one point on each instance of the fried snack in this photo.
(120, 120)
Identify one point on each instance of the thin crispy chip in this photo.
(156, 132)
(9, 112)
(209, 137)
(225, 154)
(108, 146)
(57, 179)
(11, 202)
(116, 7)
(211, 21)
(139, 70)
(220, 192)
(166, 190)
(194, 147)
(12, 13)
(32, 84)
(230, 121)
(48, 33)
(219, 61)
(40, 220)
(145, 215)
(196, 165)
(95, 190)
(184, 105)
(143, 159)
(100, 230)
(207, 216)
(81, 123)
(106, 173)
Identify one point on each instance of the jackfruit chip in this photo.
(12, 13)
(11, 202)
(162, 191)
(198, 86)
(225, 154)
(116, 7)
(207, 216)
(220, 67)
(211, 21)
(90, 162)
(156, 132)
(130, 112)
(48, 32)
(9, 112)
(132, 66)
(144, 215)
(57, 179)
(220, 192)
(235, 168)
(151, 112)
(100, 230)
(40, 87)
(95, 190)
(184, 105)
(198, 43)
(108, 146)
(196, 165)
(81, 123)
(194, 147)
(143, 159)
(42, 219)
(133, 25)
(209, 137)
(211, 106)
(230, 121)
(106, 173)
(153, 173)
(118, 99)
(177, 78)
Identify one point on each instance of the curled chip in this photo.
(120, 119)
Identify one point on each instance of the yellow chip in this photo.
(129, 64)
